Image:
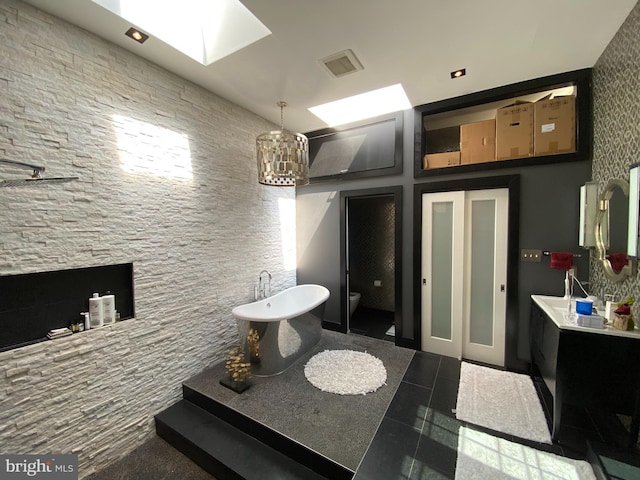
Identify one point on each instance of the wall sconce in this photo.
(634, 210)
(588, 213)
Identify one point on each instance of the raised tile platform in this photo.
(326, 432)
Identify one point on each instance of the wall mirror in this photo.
(612, 223)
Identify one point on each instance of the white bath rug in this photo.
(345, 372)
(502, 401)
(482, 456)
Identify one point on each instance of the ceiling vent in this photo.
(341, 63)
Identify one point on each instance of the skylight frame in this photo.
(362, 106)
(204, 30)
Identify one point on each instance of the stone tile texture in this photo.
(167, 180)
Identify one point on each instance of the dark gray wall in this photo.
(318, 230)
(372, 250)
(548, 221)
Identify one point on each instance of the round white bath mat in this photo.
(345, 372)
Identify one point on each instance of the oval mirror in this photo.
(611, 231)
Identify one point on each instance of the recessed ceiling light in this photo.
(365, 105)
(137, 35)
(459, 73)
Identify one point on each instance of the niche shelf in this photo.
(34, 303)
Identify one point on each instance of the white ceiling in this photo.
(413, 42)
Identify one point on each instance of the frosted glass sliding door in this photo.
(464, 251)
(442, 247)
(486, 214)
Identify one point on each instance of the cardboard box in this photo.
(440, 160)
(555, 126)
(514, 131)
(478, 142)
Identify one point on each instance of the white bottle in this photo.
(109, 309)
(87, 321)
(609, 309)
(95, 311)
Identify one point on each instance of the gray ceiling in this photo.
(413, 42)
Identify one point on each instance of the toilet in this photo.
(354, 298)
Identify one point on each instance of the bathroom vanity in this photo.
(597, 368)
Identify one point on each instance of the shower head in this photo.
(36, 176)
(35, 181)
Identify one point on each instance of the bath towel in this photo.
(618, 260)
(561, 260)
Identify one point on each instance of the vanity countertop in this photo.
(556, 308)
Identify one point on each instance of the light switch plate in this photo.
(529, 255)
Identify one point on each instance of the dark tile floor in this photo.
(417, 437)
(154, 460)
(372, 322)
(340, 427)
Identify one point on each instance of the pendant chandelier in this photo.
(283, 156)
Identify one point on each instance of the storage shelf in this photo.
(462, 112)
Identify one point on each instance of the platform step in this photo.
(223, 450)
(313, 460)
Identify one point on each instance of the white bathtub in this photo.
(278, 330)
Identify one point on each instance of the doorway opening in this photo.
(370, 258)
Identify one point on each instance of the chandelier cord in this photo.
(282, 104)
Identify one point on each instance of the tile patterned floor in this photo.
(418, 436)
(372, 322)
(153, 460)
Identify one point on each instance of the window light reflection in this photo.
(150, 149)
(505, 459)
(287, 210)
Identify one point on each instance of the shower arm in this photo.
(37, 171)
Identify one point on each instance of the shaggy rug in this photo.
(482, 456)
(503, 401)
(345, 372)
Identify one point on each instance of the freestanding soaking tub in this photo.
(278, 330)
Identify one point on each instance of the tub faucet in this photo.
(264, 289)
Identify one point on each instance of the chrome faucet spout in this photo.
(264, 290)
(265, 271)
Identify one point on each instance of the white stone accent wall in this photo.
(167, 181)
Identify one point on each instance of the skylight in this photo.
(365, 105)
(204, 30)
